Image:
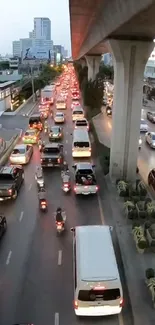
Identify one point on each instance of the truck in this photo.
(52, 155)
(84, 179)
(11, 179)
(48, 94)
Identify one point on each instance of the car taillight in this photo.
(66, 185)
(60, 135)
(97, 188)
(59, 223)
(89, 149)
(121, 303)
(59, 160)
(41, 160)
(75, 127)
(43, 203)
(75, 304)
(10, 191)
(23, 138)
(74, 188)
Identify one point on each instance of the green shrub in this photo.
(150, 273)
(142, 244)
(135, 224)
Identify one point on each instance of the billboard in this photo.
(36, 53)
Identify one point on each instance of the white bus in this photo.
(97, 285)
(81, 145)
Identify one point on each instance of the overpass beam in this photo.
(83, 62)
(130, 58)
(93, 63)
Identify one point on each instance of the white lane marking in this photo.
(66, 141)
(30, 186)
(65, 152)
(56, 319)
(120, 319)
(8, 258)
(59, 257)
(21, 216)
(101, 210)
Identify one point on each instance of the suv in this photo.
(11, 178)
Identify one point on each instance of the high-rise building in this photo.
(31, 34)
(16, 49)
(58, 49)
(42, 28)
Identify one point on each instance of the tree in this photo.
(106, 71)
(4, 65)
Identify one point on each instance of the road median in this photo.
(6, 153)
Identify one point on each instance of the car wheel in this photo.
(15, 195)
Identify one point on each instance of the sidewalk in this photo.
(135, 264)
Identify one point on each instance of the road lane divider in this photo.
(8, 258)
(65, 152)
(101, 210)
(21, 216)
(66, 141)
(56, 319)
(59, 257)
(30, 186)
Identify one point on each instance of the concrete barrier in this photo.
(19, 108)
(4, 157)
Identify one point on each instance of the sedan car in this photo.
(82, 124)
(59, 117)
(55, 133)
(31, 136)
(143, 126)
(150, 139)
(21, 154)
(151, 116)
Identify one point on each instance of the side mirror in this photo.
(72, 229)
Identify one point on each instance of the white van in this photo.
(81, 146)
(97, 285)
(61, 103)
(77, 113)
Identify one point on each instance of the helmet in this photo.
(59, 209)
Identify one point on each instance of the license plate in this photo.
(86, 193)
(59, 227)
(50, 165)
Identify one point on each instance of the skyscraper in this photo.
(42, 28)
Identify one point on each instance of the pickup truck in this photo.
(85, 180)
(11, 178)
(52, 155)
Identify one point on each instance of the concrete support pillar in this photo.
(83, 63)
(130, 58)
(93, 63)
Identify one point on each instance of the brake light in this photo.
(99, 288)
(59, 160)
(23, 138)
(10, 191)
(121, 302)
(66, 185)
(75, 127)
(89, 149)
(97, 188)
(41, 160)
(43, 203)
(59, 223)
(60, 135)
(74, 188)
(75, 304)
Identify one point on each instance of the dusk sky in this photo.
(16, 21)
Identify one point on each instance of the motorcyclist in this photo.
(39, 175)
(59, 216)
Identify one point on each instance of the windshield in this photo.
(99, 295)
(82, 144)
(85, 172)
(60, 101)
(51, 150)
(27, 133)
(78, 112)
(59, 114)
(18, 151)
(55, 130)
(153, 136)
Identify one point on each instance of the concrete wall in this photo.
(11, 77)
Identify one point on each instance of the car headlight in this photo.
(140, 141)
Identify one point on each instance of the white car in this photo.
(150, 139)
(143, 126)
(21, 154)
(59, 117)
(82, 124)
(77, 114)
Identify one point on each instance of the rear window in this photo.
(99, 295)
(78, 112)
(34, 120)
(60, 101)
(82, 144)
(30, 133)
(59, 114)
(85, 172)
(81, 123)
(18, 151)
(5, 177)
(51, 150)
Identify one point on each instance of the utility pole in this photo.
(32, 80)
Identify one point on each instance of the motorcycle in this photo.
(43, 205)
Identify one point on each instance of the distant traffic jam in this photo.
(98, 296)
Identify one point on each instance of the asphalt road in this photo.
(36, 277)
(146, 157)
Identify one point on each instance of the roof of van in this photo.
(95, 254)
(81, 135)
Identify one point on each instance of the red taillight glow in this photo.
(99, 288)
(75, 127)
(75, 304)
(66, 185)
(59, 223)
(23, 138)
(10, 191)
(41, 160)
(59, 160)
(97, 188)
(89, 149)
(74, 188)
(43, 203)
(121, 302)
